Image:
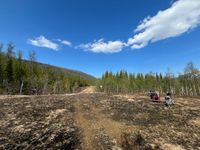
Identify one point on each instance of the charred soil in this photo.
(98, 121)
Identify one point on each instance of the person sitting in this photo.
(168, 99)
(152, 94)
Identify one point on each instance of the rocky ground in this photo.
(98, 121)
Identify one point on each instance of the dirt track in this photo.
(98, 121)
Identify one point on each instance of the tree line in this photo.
(19, 76)
(185, 84)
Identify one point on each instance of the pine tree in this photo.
(20, 71)
(2, 68)
(9, 67)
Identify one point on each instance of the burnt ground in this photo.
(98, 121)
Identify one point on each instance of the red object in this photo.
(156, 98)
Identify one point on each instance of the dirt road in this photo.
(98, 121)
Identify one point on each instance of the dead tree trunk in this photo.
(21, 87)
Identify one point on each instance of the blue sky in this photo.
(98, 35)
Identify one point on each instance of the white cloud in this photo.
(41, 41)
(65, 42)
(102, 46)
(181, 17)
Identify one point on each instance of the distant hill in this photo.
(66, 71)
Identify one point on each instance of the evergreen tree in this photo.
(20, 71)
(2, 65)
(9, 67)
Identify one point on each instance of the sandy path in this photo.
(92, 121)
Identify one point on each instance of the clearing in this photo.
(98, 121)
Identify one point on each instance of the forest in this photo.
(19, 76)
(185, 84)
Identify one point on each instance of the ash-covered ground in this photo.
(98, 121)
